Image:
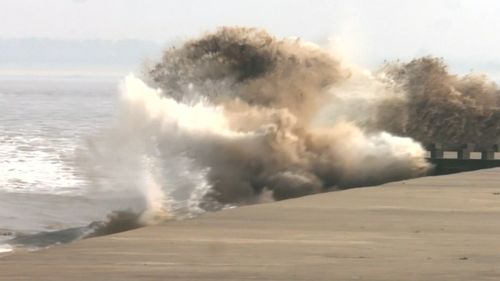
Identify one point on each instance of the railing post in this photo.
(489, 154)
(436, 151)
(465, 150)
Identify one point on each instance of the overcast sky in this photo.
(463, 32)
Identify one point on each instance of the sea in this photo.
(43, 124)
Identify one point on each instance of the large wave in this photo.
(240, 117)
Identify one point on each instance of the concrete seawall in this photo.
(433, 228)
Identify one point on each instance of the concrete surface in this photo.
(434, 228)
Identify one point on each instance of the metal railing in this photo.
(437, 151)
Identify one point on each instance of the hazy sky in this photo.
(465, 32)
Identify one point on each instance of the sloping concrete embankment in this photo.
(434, 228)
